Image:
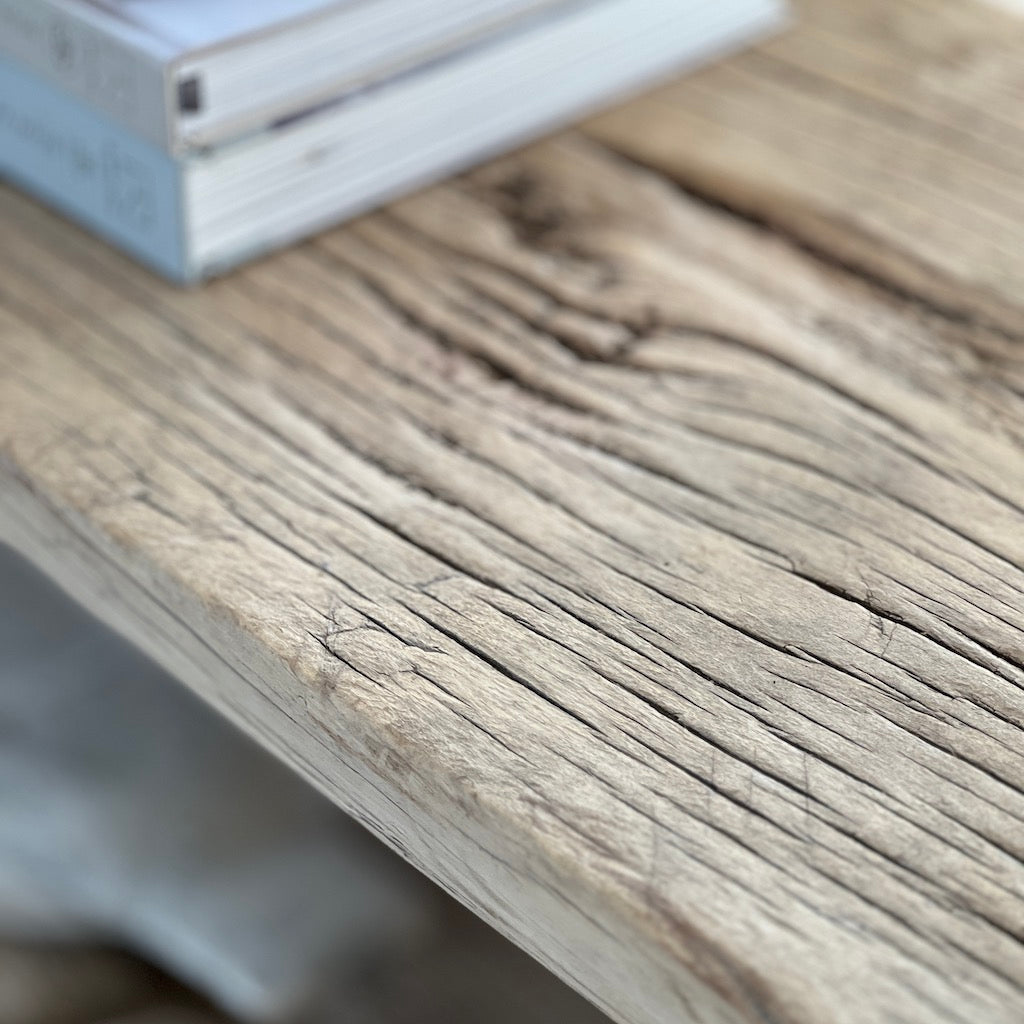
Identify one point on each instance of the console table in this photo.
(630, 532)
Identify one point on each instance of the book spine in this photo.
(88, 53)
(86, 165)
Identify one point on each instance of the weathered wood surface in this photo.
(644, 562)
(886, 135)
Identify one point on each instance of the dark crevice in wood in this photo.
(499, 370)
(509, 673)
(963, 316)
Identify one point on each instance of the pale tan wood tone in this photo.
(887, 134)
(648, 578)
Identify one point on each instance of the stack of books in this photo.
(198, 133)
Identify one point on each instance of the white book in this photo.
(186, 74)
(194, 217)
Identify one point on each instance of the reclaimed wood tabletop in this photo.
(629, 532)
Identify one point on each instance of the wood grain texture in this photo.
(648, 573)
(886, 135)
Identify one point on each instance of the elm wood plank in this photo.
(648, 580)
(886, 134)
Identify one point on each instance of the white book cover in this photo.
(195, 24)
(200, 215)
(189, 74)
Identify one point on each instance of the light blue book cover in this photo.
(84, 164)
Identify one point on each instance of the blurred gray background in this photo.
(156, 866)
